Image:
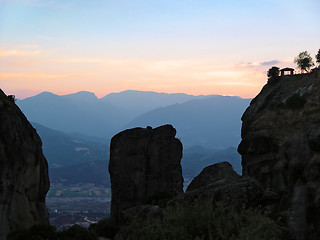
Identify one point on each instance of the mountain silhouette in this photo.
(81, 112)
(213, 122)
(135, 103)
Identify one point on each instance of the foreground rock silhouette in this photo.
(144, 162)
(281, 148)
(219, 182)
(24, 180)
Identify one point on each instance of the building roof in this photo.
(287, 69)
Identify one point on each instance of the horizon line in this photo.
(133, 90)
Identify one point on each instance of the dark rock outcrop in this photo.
(24, 178)
(220, 182)
(281, 148)
(144, 161)
(213, 173)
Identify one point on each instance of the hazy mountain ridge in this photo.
(213, 121)
(72, 159)
(139, 102)
(193, 116)
(63, 149)
(195, 159)
(79, 112)
(84, 113)
(199, 120)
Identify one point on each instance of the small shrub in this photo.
(12, 98)
(160, 198)
(296, 101)
(204, 220)
(36, 232)
(48, 232)
(314, 144)
(104, 228)
(76, 232)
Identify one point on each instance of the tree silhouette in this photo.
(304, 61)
(273, 75)
(318, 58)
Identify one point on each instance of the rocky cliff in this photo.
(24, 178)
(144, 162)
(219, 182)
(280, 147)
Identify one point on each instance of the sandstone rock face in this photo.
(281, 148)
(144, 161)
(24, 178)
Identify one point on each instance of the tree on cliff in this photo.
(273, 75)
(318, 58)
(304, 61)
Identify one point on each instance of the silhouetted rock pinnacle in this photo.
(24, 180)
(144, 161)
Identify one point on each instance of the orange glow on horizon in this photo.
(31, 72)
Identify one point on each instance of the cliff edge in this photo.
(280, 147)
(24, 180)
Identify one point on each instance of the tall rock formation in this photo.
(24, 178)
(144, 161)
(281, 148)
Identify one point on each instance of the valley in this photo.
(77, 145)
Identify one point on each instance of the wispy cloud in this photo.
(78, 60)
(18, 53)
(269, 63)
(29, 46)
(32, 75)
(249, 64)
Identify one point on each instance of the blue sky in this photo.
(197, 47)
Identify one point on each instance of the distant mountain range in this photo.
(79, 159)
(81, 112)
(135, 103)
(211, 121)
(68, 149)
(76, 129)
(196, 158)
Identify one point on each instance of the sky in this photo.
(191, 46)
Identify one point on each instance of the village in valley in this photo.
(81, 204)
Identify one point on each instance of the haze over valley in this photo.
(76, 129)
(195, 117)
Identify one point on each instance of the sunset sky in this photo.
(191, 46)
